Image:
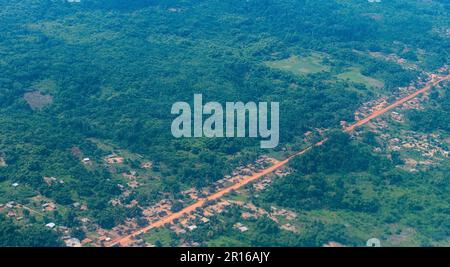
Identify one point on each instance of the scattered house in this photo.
(86, 241)
(49, 180)
(86, 160)
(114, 159)
(411, 162)
(146, 165)
(243, 229)
(408, 145)
(50, 206)
(174, 10)
(101, 240)
(192, 193)
(289, 227)
(129, 175)
(240, 227)
(247, 215)
(333, 244)
(50, 225)
(207, 213)
(2, 162)
(101, 232)
(11, 213)
(114, 202)
(236, 225)
(192, 227)
(63, 229)
(15, 185)
(133, 184)
(397, 116)
(178, 230)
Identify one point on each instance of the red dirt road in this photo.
(127, 240)
(124, 241)
(395, 104)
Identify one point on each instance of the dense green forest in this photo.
(78, 77)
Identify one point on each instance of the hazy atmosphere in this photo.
(321, 123)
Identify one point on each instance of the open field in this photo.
(353, 74)
(300, 65)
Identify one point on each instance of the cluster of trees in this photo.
(344, 175)
(433, 118)
(315, 185)
(317, 192)
(116, 73)
(338, 154)
(264, 232)
(12, 235)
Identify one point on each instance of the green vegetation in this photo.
(300, 65)
(84, 80)
(366, 191)
(161, 237)
(433, 118)
(12, 235)
(354, 75)
(221, 231)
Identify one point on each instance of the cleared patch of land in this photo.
(75, 33)
(2, 162)
(300, 65)
(353, 74)
(36, 100)
(159, 236)
(316, 63)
